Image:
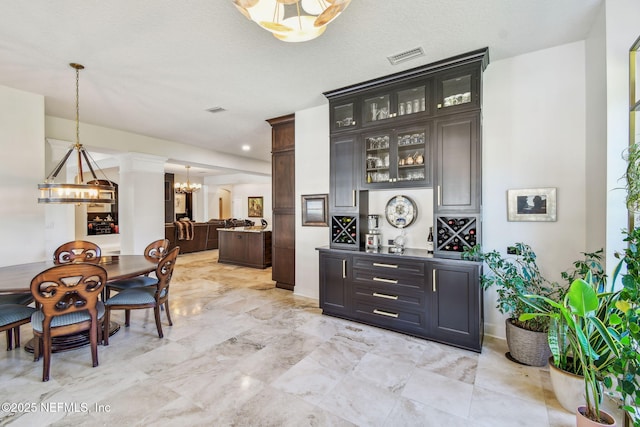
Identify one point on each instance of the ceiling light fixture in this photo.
(187, 187)
(292, 20)
(94, 191)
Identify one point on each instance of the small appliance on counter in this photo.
(373, 240)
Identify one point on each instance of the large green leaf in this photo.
(583, 299)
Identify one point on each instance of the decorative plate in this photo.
(401, 211)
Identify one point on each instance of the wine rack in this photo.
(455, 234)
(344, 231)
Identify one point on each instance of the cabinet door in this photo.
(458, 90)
(458, 170)
(456, 304)
(335, 284)
(344, 173)
(343, 115)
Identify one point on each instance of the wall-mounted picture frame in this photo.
(314, 210)
(531, 204)
(180, 203)
(255, 207)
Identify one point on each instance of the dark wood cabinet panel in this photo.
(343, 175)
(458, 176)
(283, 201)
(246, 248)
(283, 133)
(283, 175)
(434, 299)
(456, 305)
(335, 286)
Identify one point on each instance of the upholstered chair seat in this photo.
(12, 316)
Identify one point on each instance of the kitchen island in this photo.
(246, 246)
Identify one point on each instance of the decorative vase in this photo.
(582, 421)
(527, 347)
(568, 387)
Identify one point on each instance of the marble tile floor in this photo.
(244, 353)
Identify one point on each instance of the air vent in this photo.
(405, 56)
(215, 110)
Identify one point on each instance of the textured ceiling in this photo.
(154, 66)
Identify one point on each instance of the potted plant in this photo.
(585, 312)
(513, 277)
(626, 369)
(565, 371)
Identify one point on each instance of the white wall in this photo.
(534, 136)
(21, 141)
(312, 177)
(240, 203)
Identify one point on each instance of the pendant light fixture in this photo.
(292, 20)
(93, 191)
(187, 187)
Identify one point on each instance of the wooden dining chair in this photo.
(12, 316)
(7, 313)
(154, 253)
(67, 295)
(77, 251)
(145, 297)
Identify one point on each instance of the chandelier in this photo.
(187, 187)
(93, 191)
(292, 20)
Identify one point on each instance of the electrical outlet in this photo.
(512, 250)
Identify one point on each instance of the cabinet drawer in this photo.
(398, 320)
(398, 299)
(390, 281)
(388, 265)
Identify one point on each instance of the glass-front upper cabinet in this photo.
(457, 90)
(404, 102)
(343, 115)
(399, 158)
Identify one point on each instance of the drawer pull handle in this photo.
(380, 279)
(385, 313)
(380, 264)
(379, 295)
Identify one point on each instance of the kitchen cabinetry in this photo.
(348, 205)
(419, 128)
(458, 163)
(456, 304)
(246, 248)
(335, 284)
(411, 293)
(283, 142)
(401, 155)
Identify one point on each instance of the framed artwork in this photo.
(314, 210)
(180, 203)
(255, 207)
(532, 204)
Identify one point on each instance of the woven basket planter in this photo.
(527, 347)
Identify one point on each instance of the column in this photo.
(141, 201)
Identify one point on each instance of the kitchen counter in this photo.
(246, 246)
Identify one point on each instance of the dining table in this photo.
(17, 279)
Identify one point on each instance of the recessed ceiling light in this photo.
(246, 148)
